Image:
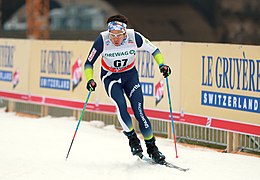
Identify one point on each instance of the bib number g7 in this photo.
(120, 63)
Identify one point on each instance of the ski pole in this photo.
(170, 105)
(81, 116)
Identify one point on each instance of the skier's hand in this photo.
(165, 70)
(91, 85)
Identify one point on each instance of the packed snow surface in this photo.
(36, 149)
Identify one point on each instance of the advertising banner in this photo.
(212, 85)
(57, 75)
(56, 69)
(14, 65)
(221, 81)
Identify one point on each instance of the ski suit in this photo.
(119, 75)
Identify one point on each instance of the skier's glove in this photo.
(165, 70)
(91, 85)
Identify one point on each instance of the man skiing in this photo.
(118, 46)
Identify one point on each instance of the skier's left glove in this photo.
(91, 85)
(165, 70)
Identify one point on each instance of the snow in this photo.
(36, 149)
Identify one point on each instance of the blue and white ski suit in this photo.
(119, 75)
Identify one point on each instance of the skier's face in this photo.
(117, 36)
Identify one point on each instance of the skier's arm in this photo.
(144, 43)
(95, 51)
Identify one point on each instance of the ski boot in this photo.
(153, 151)
(134, 143)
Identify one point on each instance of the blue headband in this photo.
(116, 25)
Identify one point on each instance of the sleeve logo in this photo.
(92, 54)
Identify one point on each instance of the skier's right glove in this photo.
(91, 85)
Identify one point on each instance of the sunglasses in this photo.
(118, 35)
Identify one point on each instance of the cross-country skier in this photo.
(118, 46)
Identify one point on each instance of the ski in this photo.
(165, 163)
(170, 165)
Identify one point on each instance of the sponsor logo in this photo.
(108, 42)
(122, 53)
(92, 54)
(209, 121)
(6, 76)
(134, 89)
(147, 88)
(145, 64)
(55, 83)
(7, 56)
(55, 63)
(159, 91)
(7, 62)
(233, 74)
(230, 101)
(15, 80)
(146, 125)
(76, 73)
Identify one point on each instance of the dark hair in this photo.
(118, 17)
